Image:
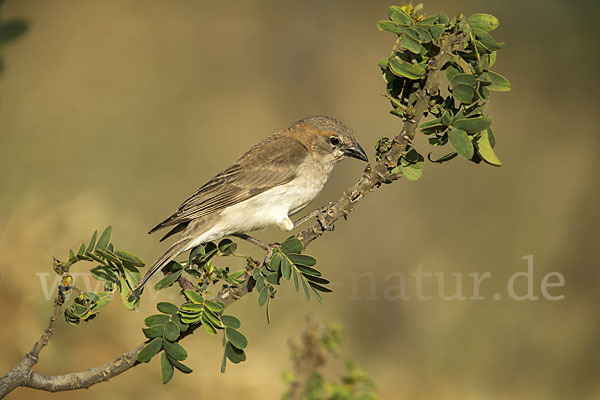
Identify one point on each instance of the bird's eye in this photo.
(334, 140)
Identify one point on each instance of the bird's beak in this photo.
(357, 152)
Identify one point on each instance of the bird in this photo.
(276, 178)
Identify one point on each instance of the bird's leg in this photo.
(319, 215)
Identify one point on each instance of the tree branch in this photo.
(372, 178)
(20, 373)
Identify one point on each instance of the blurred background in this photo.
(113, 112)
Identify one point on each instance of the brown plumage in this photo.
(274, 179)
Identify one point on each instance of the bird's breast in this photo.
(275, 204)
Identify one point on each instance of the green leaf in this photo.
(295, 275)
(423, 34)
(443, 18)
(302, 259)
(182, 326)
(167, 280)
(305, 289)
(273, 278)
(213, 318)
(81, 249)
(224, 363)
(214, 307)
(491, 137)
(104, 239)
(129, 258)
(166, 368)
(464, 93)
(431, 127)
(182, 367)
(171, 331)
(383, 63)
(389, 26)
(208, 326)
(487, 40)
(92, 242)
(308, 270)
(197, 251)
(436, 31)
(484, 148)
(236, 338)
(193, 296)
(461, 142)
(132, 303)
(227, 247)
(150, 350)
(451, 72)
(166, 308)
(485, 22)
(317, 295)
(406, 70)
(286, 267)
(192, 307)
(499, 83)
(174, 350)
(235, 355)
(154, 331)
(316, 279)
(291, 246)
(465, 79)
(444, 158)
(102, 299)
(275, 262)
(156, 319)
(472, 125)
(409, 172)
(492, 58)
(319, 287)
(262, 296)
(104, 274)
(410, 43)
(260, 283)
(231, 321)
(447, 118)
(399, 16)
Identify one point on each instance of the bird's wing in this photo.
(268, 164)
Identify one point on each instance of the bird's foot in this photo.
(319, 214)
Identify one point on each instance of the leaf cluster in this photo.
(119, 270)
(163, 331)
(288, 263)
(459, 116)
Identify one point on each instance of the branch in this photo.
(371, 178)
(19, 374)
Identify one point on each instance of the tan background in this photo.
(113, 112)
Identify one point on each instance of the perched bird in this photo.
(276, 178)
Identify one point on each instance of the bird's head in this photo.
(329, 138)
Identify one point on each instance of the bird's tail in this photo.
(172, 252)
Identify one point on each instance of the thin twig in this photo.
(252, 240)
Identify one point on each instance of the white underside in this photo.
(271, 207)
